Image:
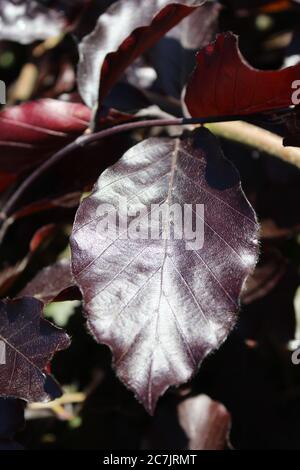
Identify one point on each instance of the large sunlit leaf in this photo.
(163, 305)
(224, 84)
(27, 344)
(122, 33)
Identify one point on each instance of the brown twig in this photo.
(87, 139)
(231, 128)
(258, 138)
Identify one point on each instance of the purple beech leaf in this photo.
(270, 270)
(10, 274)
(66, 201)
(33, 131)
(223, 83)
(205, 422)
(122, 33)
(27, 345)
(52, 283)
(159, 306)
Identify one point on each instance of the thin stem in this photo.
(80, 142)
(90, 138)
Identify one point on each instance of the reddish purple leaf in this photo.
(53, 283)
(6, 179)
(206, 423)
(66, 201)
(224, 84)
(10, 274)
(33, 131)
(123, 33)
(159, 306)
(264, 279)
(41, 235)
(27, 345)
(59, 190)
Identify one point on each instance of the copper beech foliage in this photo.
(28, 342)
(53, 283)
(224, 84)
(161, 308)
(121, 36)
(33, 131)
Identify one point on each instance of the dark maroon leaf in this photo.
(66, 201)
(159, 306)
(55, 196)
(53, 283)
(267, 274)
(224, 84)
(10, 274)
(6, 179)
(28, 343)
(123, 33)
(41, 235)
(59, 190)
(206, 423)
(33, 131)
(26, 21)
